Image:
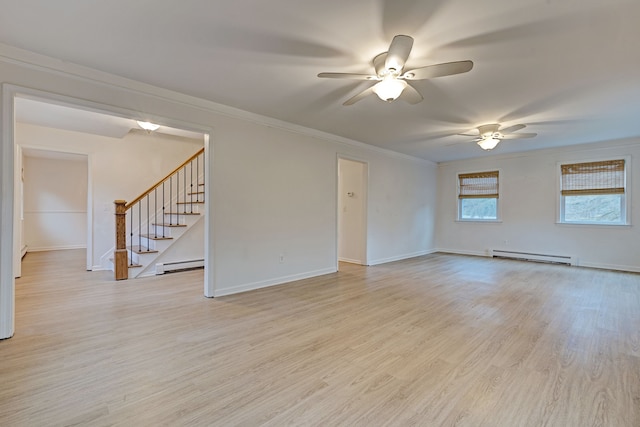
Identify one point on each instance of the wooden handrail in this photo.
(157, 184)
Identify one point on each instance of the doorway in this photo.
(10, 206)
(55, 202)
(352, 210)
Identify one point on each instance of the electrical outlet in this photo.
(281, 258)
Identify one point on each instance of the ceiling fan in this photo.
(490, 135)
(391, 77)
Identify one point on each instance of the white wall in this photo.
(402, 210)
(273, 185)
(120, 169)
(529, 200)
(55, 203)
(351, 211)
(275, 194)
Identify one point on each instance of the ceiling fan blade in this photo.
(351, 76)
(473, 132)
(439, 70)
(379, 63)
(398, 52)
(512, 129)
(359, 96)
(411, 95)
(519, 135)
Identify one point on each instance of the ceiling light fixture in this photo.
(389, 88)
(489, 140)
(148, 126)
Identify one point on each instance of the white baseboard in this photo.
(401, 257)
(459, 252)
(351, 261)
(271, 282)
(23, 251)
(56, 248)
(633, 269)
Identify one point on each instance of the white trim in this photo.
(7, 279)
(401, 257)
(351, 261)
(10, 257)
(365, 202)
(209, 224)
(463, 252)
(593, 225)
(40, 62)
(634, 269)
(272, 282)
(579, 263)
(55, 248)
(88, 159)
(55, 212)
(586, 146)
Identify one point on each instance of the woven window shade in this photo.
(606, 177)
(480, 185)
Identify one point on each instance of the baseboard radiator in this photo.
(529, 256)
(168, 267)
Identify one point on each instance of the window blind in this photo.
(606, 177)
(478, 185)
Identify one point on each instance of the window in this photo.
(593, 192)
(478, 196)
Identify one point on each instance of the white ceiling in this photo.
(45, 113)
(568, 69)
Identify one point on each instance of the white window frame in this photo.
(498, 204)
(625, 208)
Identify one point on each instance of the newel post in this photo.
(120, 257)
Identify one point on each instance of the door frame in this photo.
(365, 207)
(9, 209)
(89, 241)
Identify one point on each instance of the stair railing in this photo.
(162, 204)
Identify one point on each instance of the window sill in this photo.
(591, 224)
(480, 221)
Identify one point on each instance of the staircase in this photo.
(149, 228)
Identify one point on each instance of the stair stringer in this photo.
(168, 250)
(189, 246)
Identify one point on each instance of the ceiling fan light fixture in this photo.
(488, 142)
(148, 126)
(389, 88)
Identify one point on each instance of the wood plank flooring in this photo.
(439, 340)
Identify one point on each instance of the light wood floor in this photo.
(433, 341)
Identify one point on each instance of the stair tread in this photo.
(188, 203)
(154, 237)
(182, 213)
(129, 264)
(141, 249)
(165, 224)
(193, 193)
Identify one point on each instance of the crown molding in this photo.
(39, 62)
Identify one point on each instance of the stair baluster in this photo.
(169, 206)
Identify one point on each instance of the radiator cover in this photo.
(532, 256)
